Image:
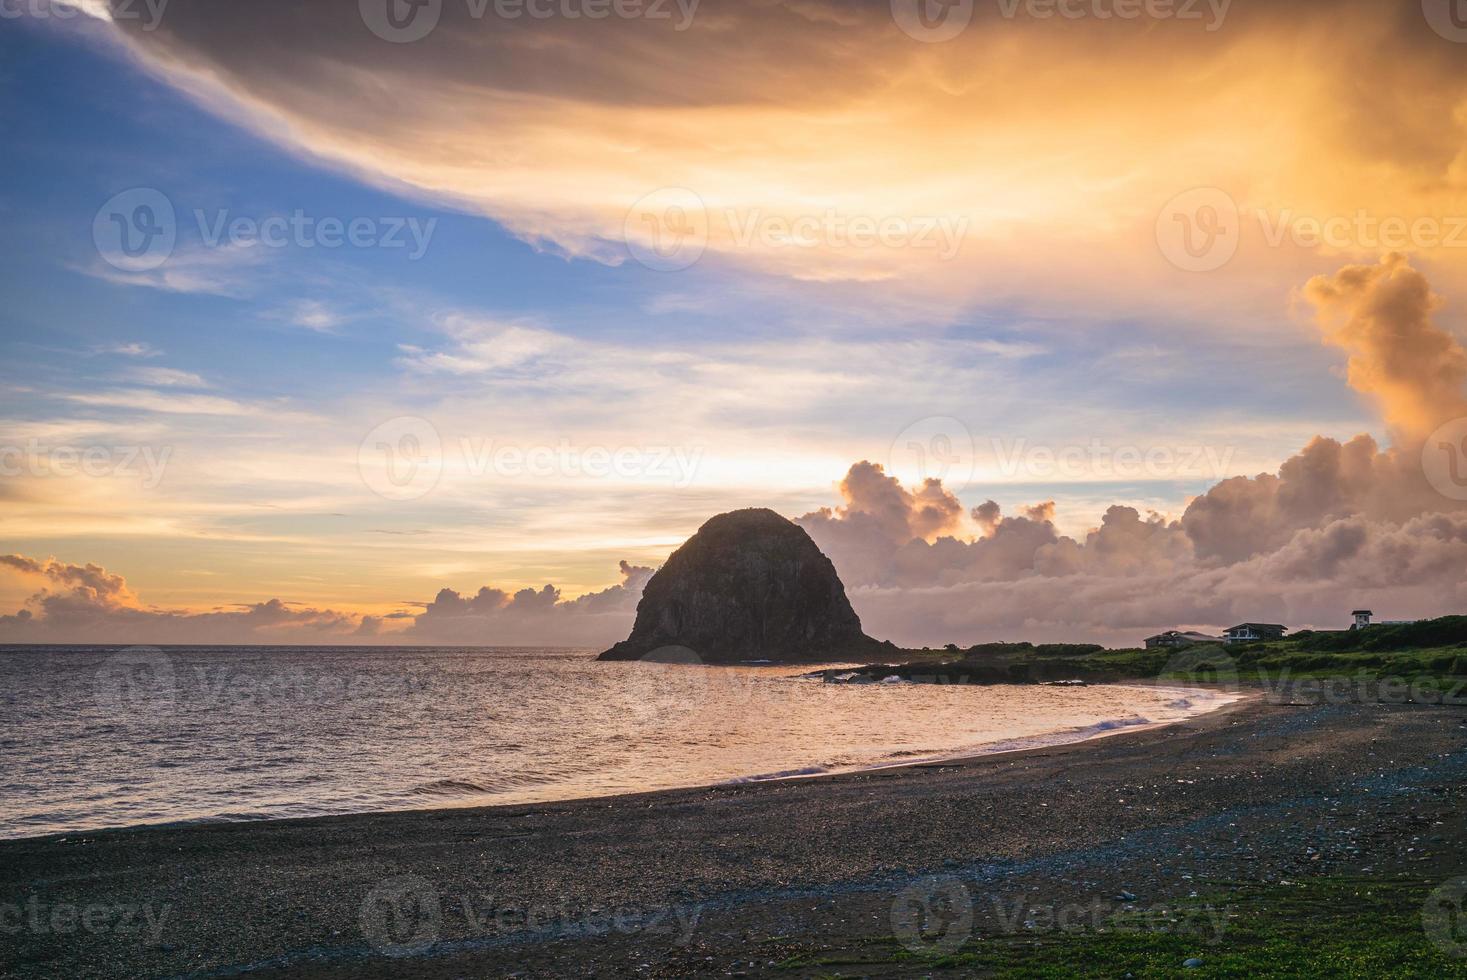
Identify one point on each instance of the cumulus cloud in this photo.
(877, 517)
(1412, 570)
(91, 581)
(1338, 525)
(88, 604)
(871, 554)
(1303, 547)
(987, 515)
(1399, 356)
(532, 617)
(1244, 516)
(1382, 315)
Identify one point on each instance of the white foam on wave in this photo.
(787, 774)
(1196, 701)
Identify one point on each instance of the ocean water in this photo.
(103, 737)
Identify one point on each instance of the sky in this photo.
(369, 322)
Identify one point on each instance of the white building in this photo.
(1254, 632)
(1362, 620)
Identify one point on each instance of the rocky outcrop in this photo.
(750, 585)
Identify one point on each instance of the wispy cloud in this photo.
(667, 303)
(487, 347)
(164, 377)
(1008, 349)
(1017, 141)
(145, 400)
(134, 348)
(314, 315)
(224, 270)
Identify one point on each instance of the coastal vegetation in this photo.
(1336, 926)
(1430, 654)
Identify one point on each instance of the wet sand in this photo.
(733, 880)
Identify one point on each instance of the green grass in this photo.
(1431, 655)
(1433, 668)
(1332, 927)
(1327, 927)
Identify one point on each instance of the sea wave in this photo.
(785, 774)
(502, 729)
(449, 787)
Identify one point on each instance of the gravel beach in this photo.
(748, 879)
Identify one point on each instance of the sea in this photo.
(101, 737)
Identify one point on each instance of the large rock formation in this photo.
(750, 585)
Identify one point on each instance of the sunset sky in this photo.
(607, 277)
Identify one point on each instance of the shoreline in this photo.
(1091, 733)
(966, 756)
(770, 872)
(1201, 721)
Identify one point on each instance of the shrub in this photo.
(1447, 631)
(1068, 649)
(1000, 649)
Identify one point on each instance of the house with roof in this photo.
(1173, 639)
(1254, 632)
(1363, 619)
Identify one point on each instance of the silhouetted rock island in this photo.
(750, 585)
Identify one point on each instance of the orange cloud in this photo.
(88, 604)
(1382, 315)
(1028, 145)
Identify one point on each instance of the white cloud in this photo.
(487, 347)
(132, 349)
(163, 377)
(144, 400)
(224, 270)
(313, 315)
